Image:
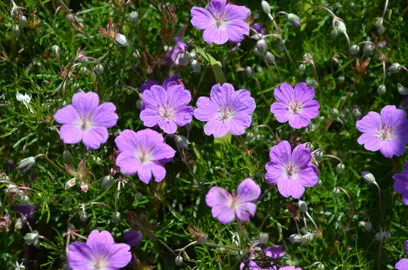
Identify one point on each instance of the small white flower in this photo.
(20, 266)
(25, 99)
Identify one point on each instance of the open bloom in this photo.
(226, 110)
(386, 132)
(401, 183)
(295, 105)
(99, 252)
(270, 253)
(143, 152)
(291, 171)
(166, 107)
(403, 263)
(221, 22)
(85, 120)
(226, 206)
(173, 53)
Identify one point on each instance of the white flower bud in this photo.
(182, 141)
(266, 7)
(366, 225)
(184, 58)
(263, 238)
(98, 69)
(107, 181)
(26, 164)
(116, 217)
(31, 238)
(23, 21)
(139, 104)
(295, 238)
(368, 50)
(336, 191)
(302, 68)
(302, 206)
(379, 22)
(249, 72)
(381, 30)
(133, 16)
(16, 30)
(402, 90)
(179, 260)
(261, 46)
(121, 40)
(318, 154)
(341, 80)
(308, 237)
(368, 177)
(334, 112)
(381, 89)
(196, 66)
(21, 197)
(340, 168)
(394, 68)
(354, 49)
(294, 19)
(66, 156)
(19, 224)
(83, 216)
(55, 49)
(269, 58)
(84, 61)
(340, 26)
(320, 266)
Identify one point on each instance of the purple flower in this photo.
(401, 183)
(289, 267)
(99, 252)
(222, 22)
(27, 210)
(258, 28)
(295, 105)
(403, 263)
(147, 85)
(133, 238)
(143, 152)
(271, 252)
(291, 171)
(226, 110)
(386, 132)
(173, 53)
(166, 107)
(226, 206)
(85, 120)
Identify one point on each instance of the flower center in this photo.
(233, 203)
(85, 123)
(99, 263)
(225, 113)
(385, 133)
(295, 107)
(144, 155)
(291, 170)
(167, 112)
(219, 21)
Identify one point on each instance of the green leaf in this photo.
(221, 143)
(215, 65)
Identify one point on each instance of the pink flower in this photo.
(226, 206)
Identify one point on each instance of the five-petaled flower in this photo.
(226, 206)
(226, 110)
(99, 252)
(295, 105)
(386, 132)
(291, 171)
(143, 152)
(401, 183)
(221, 22)
(166, 107)
(85, 120)
(403, 263)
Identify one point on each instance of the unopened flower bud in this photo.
(402, 90)
(295, 238)
(379, 22)
(19, 224)
(83, 70)
(368, 177)
(318, 154)
(341, 80)
(196, 66)
(98, 69)
(21, 197)
(23, 21)
(381, 89)
(269, 58)
(26, 164)
(340, 26)
(139, 104)
(83, 216)
(320, 266)
(366, 225)
(354, 49)
(31, 238)
(308, 237)
(302, 68)
(116, 217)
(294, 19)
(357, 113)
(302, 206)
(334, 112)
(84, 61)
(381, 30)
(133, 16)
(182, 141)
(340, 168)
(121, 40)
(16, 30)
(336, 191)
(307, 56)
(266, 7)
(249, 72)
(107, 181)
(184, 58)
(263, 238)
(334, 32)
(261, 46)
(179, 260)
(368, 50)
(55, 49)
(66, 156)
(394, 68)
